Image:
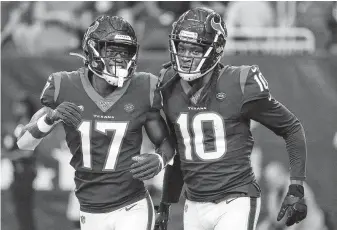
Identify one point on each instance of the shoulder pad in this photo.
(74, 76)
(51, 90)
(167, 65)
(55, 82)
(253, 84)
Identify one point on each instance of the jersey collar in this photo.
(103, 103)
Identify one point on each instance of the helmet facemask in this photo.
(114, 62)
(209, 34)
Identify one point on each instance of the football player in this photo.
(103, 107)
(209, 107)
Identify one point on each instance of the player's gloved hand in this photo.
(67, 112)
(146, 166)
(294, 205)
(162, 216)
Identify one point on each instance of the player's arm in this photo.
(149, 165)
(173, 177)
(33, 133)
(282, 122)
(44, 120)
(260, 106)
(172, 187)
(158, 134)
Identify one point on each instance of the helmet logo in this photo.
(220, 96)
(129, 107)
(90, 30)
(219, 49)
(188, 36)
(94, 64)
(92, 43)
(218, 27)
(123, 37)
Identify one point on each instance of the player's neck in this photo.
(101, 86)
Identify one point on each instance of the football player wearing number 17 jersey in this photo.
(103, 108)
(209, 107)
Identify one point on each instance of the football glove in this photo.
(69, 113)
(146, 166)
(294, 205)
(162, 216)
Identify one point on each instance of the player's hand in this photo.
(294, 205)
(146, 166)
(162, 216)
(67, 112)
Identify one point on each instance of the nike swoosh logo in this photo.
(128, 208)
(228, 201)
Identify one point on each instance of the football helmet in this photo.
(200, 26)
(115, 32)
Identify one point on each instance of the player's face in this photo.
(115, 57)
(189, 56)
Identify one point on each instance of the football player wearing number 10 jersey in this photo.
(210, 105)
(103, 108)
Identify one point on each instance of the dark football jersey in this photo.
(108, 137)
(214, 141)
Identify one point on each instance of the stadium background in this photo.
(34, 46)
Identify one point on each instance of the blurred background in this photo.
(294, 43)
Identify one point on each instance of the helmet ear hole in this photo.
(217, 19)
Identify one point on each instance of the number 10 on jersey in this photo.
(198, 140)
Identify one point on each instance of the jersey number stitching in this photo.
(197, 128)
(115, 145)
(261, 81)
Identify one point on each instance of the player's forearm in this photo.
(159, 135)
(173, 183)
(297, 151)
(166, 151)
(33, 133)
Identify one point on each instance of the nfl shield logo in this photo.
(220, 96)
(129, 107)
(186, 208)
(82, 219)
(105, 105)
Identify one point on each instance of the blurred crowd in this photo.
(37, 28)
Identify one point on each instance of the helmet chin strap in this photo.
(120, 74)
(112, 80)
(190, 76)
(193, 76)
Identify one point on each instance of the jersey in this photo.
(214, 140)
(108, 137)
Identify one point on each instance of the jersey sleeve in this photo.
(156, 99)
(253, 84)
(51, 91)
(276, 117)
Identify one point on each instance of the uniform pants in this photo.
(239, 213)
